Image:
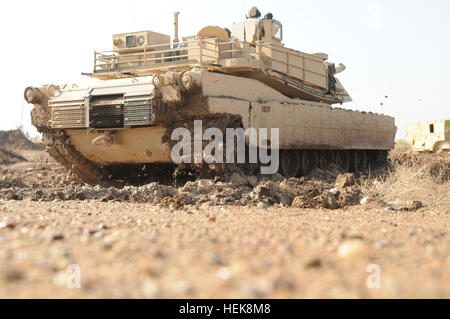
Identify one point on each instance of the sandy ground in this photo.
(137, 250)
(125, 249)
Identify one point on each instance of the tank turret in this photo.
(253, 49)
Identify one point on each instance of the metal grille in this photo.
(138, 111)
(106, 111)
(67, 114)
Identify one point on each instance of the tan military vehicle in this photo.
(429, 136)
(244, 78)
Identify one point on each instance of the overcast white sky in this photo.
(397, 48)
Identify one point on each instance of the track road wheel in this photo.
(359, 161)
(381, 158)
(289, 163)
(325, 158)
(308, 162)
(343, 160)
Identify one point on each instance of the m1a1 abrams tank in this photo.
(228, 79)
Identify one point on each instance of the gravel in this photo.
(220, 252)
(246, 237)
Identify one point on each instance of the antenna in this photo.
(175, 24)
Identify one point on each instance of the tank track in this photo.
(293, 163)
(57, 145)
(220, 121)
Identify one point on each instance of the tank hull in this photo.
(300, 127)
(131, 146)
(76, 115)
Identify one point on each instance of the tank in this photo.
(431, 137)
(244, 79)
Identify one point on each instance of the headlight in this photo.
(141, 40)
(32, 95)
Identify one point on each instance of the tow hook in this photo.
(105, 139)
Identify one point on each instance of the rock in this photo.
(365, 200)
(379, 244)
(390, 209)
(8, 225)
(314, 263)
(350, 196)
(351, 249)
(284, 284)
(334, 191)
(238, 180)
(329, 201)
(182, 288)
(417, 204)
(224, 273)
(277, 177)
(57, 236)
(150, 289)
(267, 191)
(212, 219)
(252, 180)
(99, 234)
(298, 202)
(345, 180)
(262, 205)
(259, 288)
(304, 192)
(215, 258)
(201, 186)
(413, 206)
(12, 275)
(91, 232)
(284, 249)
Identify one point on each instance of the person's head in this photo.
(253, 13)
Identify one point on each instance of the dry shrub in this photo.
(412, 177)
(402, 145)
